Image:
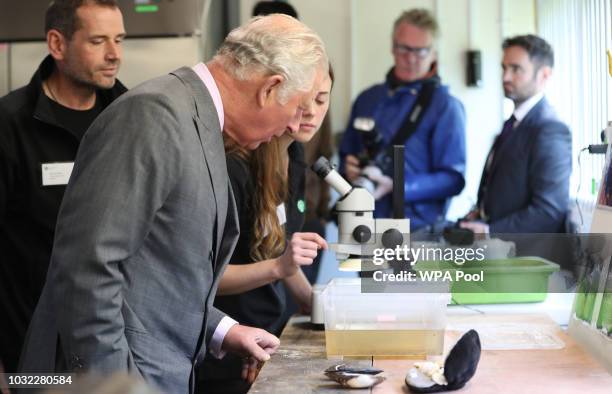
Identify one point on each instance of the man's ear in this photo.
(545, 73)
(57, 43)
(269, 89)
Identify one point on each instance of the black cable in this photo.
(579, 184)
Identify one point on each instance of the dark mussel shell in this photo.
(460, 365)
(462, 361)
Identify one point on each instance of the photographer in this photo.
(410, 108)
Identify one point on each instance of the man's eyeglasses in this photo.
(402, 49)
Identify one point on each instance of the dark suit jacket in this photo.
(528, 184)
(146, 226)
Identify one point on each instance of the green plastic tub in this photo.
(522, 279)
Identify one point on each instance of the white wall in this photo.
(482, 104)
(519, 17)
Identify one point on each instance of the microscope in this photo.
(359, 233)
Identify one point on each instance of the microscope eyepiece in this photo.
(326, 171)
(322, 167)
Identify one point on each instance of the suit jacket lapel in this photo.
(206, 122)
(215, 161)
(523, 127)
(231, 233)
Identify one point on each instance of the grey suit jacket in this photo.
(528, 183)
(147, 224)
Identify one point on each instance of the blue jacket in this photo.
(434, 163)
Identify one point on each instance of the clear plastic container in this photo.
(386, 323)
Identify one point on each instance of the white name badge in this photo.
(281, 214)
(56, 173)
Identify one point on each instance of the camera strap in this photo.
(412, 120)
(414, 117)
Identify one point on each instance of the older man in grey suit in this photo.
(148, 219)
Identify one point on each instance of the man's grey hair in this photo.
(271, 46)
(421, 18)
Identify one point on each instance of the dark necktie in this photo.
(499, 141)
(506, 131)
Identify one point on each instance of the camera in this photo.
(375, 158)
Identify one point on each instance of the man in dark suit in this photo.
(148, 221)
(525, 183)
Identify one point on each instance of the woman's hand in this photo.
(301, 250)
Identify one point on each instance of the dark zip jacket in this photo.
(30, 135)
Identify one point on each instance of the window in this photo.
(580, 32)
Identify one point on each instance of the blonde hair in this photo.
(274, 45)
(266, 164)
